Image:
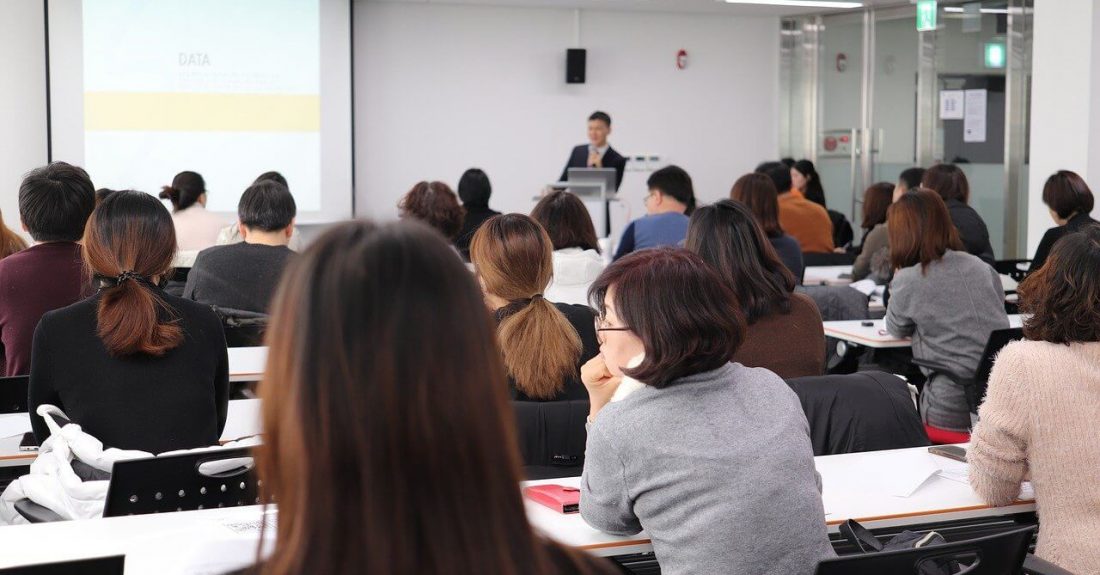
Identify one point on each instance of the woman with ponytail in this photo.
(196, 228)
(135, 367)
(544, 343)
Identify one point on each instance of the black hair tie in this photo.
(515, 305)
(111, 282)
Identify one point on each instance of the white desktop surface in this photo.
(875, 334)
(854, 486)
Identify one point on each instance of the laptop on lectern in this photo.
(606, 176)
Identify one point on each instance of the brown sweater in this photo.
(1039, 417)
(791, 345)
(808, 222)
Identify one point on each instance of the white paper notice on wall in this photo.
(974, 116)
(951, 104)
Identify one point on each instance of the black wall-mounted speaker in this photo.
(574, 65)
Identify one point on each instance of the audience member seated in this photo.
(909, 179)
(577, 259)
(804, 178)
(675, 441)
(474, 190)
(135, 367)
(376, 406)
(10, 242)
(243, 276)
(102, 193)
(785, 333)
(544, 344)
(54, 204)
(949, 181)
(435, 204)
(1039, 417)
(946, 299)
(758, 193)
(196, 228)
(669, 203)
(1069, 200)
(874, 248)
(231, 234)
(806, 221)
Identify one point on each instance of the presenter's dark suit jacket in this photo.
(611, 159)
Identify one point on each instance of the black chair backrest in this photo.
(13, 394)
(863, 411)
(829, 259)
(242, 328)
(552, 437)
(1000, 554)
(114, 565)
(997, 341)
(202, 480)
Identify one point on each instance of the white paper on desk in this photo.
(907, 475)
(865, 287)
(15, 424)
(960, 472)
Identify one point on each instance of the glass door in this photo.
(841, 95)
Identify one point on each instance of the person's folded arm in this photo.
(998, 446)
(605, 503)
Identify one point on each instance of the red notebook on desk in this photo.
(557, 497)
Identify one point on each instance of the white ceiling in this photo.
(687, 6)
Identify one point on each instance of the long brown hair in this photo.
(129, 244)
(920, 229)
(876, 200)
(757, 191)
(388, 440)
(514, 258)
(10, 242)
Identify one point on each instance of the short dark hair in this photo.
(266, 205)
(725, 234)
(758, 193)
(435, 204)
(1067, 193)
(686, 315)
(186, 189)
(876, 200)
(102, 194)
(601, 116)
(674, 181)
(911, 177)
(920, 229)
(55, 202)
(272, 176)
(1063, 296)
(567, 221)
(474, 188)
(780, 175)
(947, 180)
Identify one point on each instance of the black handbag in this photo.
(866, 542)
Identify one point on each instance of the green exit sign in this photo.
(995, 55)
(926, 15)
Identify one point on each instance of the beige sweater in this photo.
(1041, 416)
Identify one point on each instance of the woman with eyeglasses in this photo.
(696, 449)
(135, 367)
(544, 343)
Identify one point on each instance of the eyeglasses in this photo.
(602, 326)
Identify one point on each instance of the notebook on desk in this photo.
(557, 497)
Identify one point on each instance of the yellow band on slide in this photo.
(183, 112)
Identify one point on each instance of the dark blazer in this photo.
(579, 159)
(972, 230)
(1075, 224)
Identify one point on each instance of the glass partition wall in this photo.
(865, 96)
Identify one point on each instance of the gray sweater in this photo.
(717, 468)
(949, 310)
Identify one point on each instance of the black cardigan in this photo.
(155, 404)
(972, 230)
(583, 319)
(1075, 224)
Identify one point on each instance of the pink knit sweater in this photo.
(1042, 416)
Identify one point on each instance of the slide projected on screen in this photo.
(226, 88)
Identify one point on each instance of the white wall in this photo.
(440, 88)
(1065, 111)
(22, 99)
